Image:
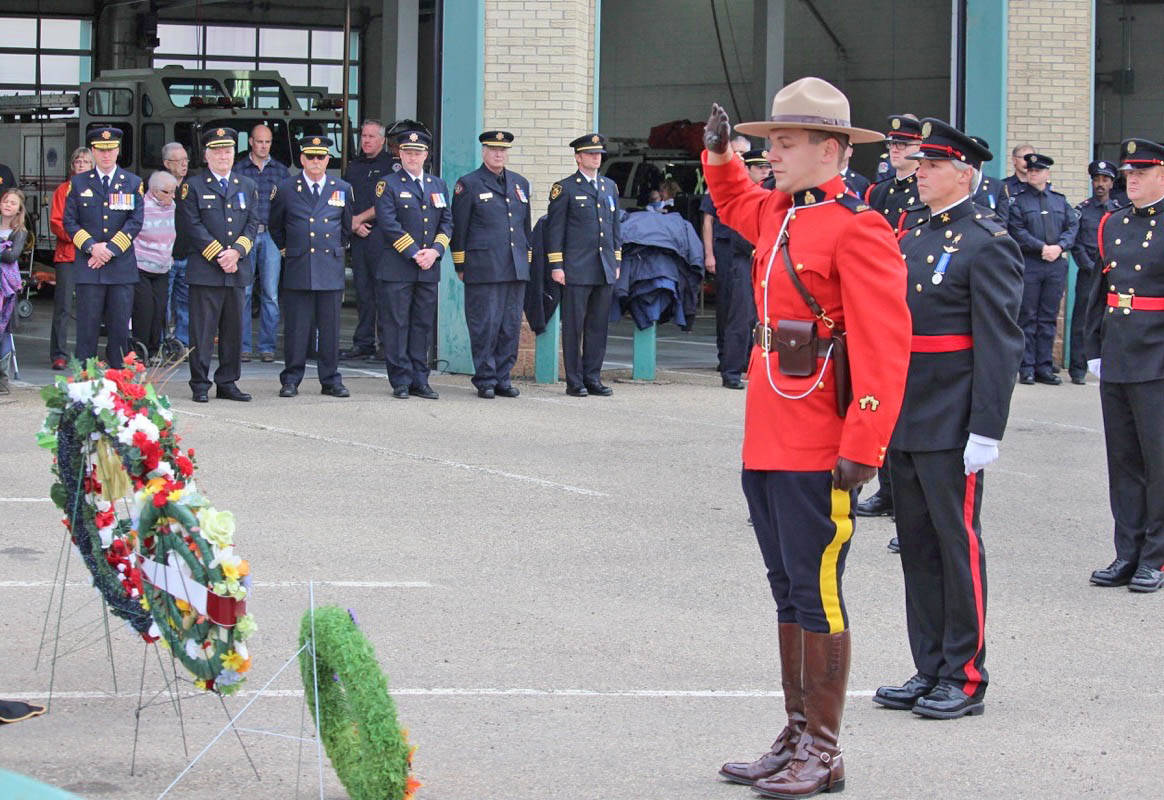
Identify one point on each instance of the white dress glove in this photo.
(1093, 366)
(980, 452)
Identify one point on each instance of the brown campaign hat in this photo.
(814, 104)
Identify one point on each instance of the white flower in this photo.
(192, 650)
(163, 470)
(81, 391)
(165, 413)
(241, 649)
(103, 398)
(137, 423)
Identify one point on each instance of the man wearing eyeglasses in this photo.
(177, 162)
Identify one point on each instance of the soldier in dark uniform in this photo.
(216, 205)
(311, 222)
(103, 212)
(491, 254)
(1125, 347)
(584, 249)
(896, 198)
(729, 256)
(1086, 253)
(364, 172)
(858, 184)
(806, 447)
(893, 195)
(1015, 184)
(986, 195)
(1044, 226)
(415, 222)
(965, 285)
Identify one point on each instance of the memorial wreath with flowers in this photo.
(160, 554)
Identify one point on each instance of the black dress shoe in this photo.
(232, 392)
(894, 545)
(486, 393)
(876, 506)
(577, 391)
(1117, 573)
(356, 352)
(904, 697)
(425, 391)
(1079, 380)
(733, 383)
(947, 701)
(1146, 579)
(506, 391)
(376, 356)
(599, 389)
(336, 390)
(400, 392)
(200, 396)
(1048, 378)
(1027, 380)
(289, 390)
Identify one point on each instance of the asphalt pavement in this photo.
(569, 603)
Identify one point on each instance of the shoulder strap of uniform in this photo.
(853, 203)
(989, 221)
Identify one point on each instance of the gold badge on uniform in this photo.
(555, 191)
(274, 191)
(413, 138)
(1131, 147)
(926, 128)
(185, 190)
(500, 136)
(380, 188)
(220, 132)
(104, 134)
(869, 402)
(594, 139)
(896, 124)
(315, 140)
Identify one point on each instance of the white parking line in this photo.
(25, 500)
(639, 693)
(257, 584)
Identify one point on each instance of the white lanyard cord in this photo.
(767, 280)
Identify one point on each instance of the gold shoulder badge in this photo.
(555, 191)
(274, 191)
(862, 207)
(380, 186)
(868, 403)
(185, 190)
(141, 190)
(1000, 233)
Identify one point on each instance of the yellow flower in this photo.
(175, 495)
(233, 661)
(181, 604)
(230, 571)
(217, 526)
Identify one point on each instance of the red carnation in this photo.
(160, 499)
(103, 519)
(185, 466)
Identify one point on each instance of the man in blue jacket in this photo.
(311, 222)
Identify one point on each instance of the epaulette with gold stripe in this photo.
(122, 240)
(404, 242)
(80, 237)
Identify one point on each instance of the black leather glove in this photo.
(848, 475)
(717, 130)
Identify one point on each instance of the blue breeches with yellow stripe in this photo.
(803, 526)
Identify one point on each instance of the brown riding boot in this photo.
(792, 681)
(817, 766)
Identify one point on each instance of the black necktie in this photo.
(105, 183)
(1048, 237)
(222, 184)
(315, 191)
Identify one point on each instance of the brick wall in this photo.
(1049, 100)
(539, 84)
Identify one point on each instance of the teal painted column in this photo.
(546, 347)
(462, 109)
(985, 78)
(645, 351)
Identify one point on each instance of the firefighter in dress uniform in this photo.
(584, 250)
(103, 212)
(415, 222)
(492, 256)
(1125, 346)
(808, 442)
(965, 285)
(1086, 254)
(311, 224)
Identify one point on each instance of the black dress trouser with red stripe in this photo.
(944, 563)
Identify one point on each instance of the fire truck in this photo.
(152, 107)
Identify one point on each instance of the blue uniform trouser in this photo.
(215, 311)
(1043, 284)
(364, 254)
(304, 312)
(1133, 429)
(735, 311)
(407, 318)
(585, 319)
(267, 266)
(108, 303)
(1078, 365)
(803, 526)
(180, 302)
(62, 310)
(493, 313)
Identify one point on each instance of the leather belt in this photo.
(1135, 302)
(944, 343)
(762, 337)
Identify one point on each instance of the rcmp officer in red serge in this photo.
(1125, 346)
(584, 250)
(491, 254)
(965, 286)
(217, 208)
(103, 212)
(414, 219)
(311, 223)
(803, 460)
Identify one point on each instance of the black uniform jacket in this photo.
(892, 197)
(949, 395)
(312, 235)
(542, 294)
(411, 218)
(92, 216)
(491, 227)
(215, 221)
(363, 174)
(1130, 341)
(1037, 218)
(582, 230)
(1086, 249)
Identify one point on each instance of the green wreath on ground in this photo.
(356, 715)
